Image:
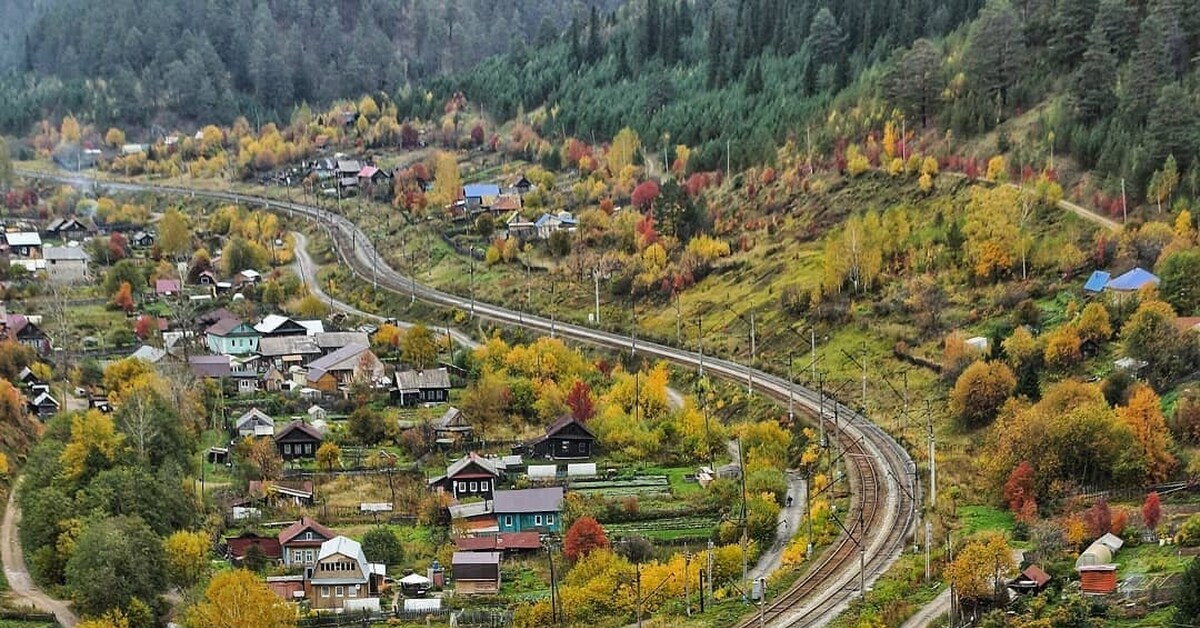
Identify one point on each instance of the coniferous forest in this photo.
(1113, 81)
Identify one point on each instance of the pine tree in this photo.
(995, 52)
(1148, 70)
(716, 53)
(1094, 81)
(1070, 24)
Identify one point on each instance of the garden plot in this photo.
(667, 528)
(643, 487)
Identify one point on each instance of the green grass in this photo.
(1158, 619)
(22, 623)
(1150, 559)
(975, 519)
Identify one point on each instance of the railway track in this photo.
(882, 509)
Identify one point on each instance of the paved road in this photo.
(22, 588)
(787, 526)
(890, 463)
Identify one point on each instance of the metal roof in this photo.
(530, 500)
(23, 238)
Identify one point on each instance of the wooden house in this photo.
(565, 439)
(298, 440)
(342, 578)
(301, 542)
(531, 509)
(237, 547)
(427, 386)
(451, 427)
(469, 477)
(351, 364)
(476, 573)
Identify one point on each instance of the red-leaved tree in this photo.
(579, 400)
(644, 194)
(123, 299)
(145, 326)
(1019, 491)
(1098, 518)
(584, 537)
(1151, 511)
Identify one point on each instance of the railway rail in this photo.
(881, 473)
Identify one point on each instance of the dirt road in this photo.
(22, 589)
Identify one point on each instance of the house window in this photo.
(537, 520)
(353, 591)
(549, 520)
(462, 487)
(508, 521)
(582, 447)
(287, 449)
(309, 556)
(474, 487)
(339, 592)
(308, 448)
(324, 591)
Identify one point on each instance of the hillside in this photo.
(223, 58)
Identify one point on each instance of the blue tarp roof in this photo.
(1133, 280)
(480, 190)
(1097, 281)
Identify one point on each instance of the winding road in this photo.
(881, 474)
(20, 583)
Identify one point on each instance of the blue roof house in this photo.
(1133, 281)
(1097, 282)
(480, 194)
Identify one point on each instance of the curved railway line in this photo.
(881, 512)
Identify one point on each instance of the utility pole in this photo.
(553, 585)
(864, 377)
(928, 543)
(813, 337)
(791, 413)
(932, 458)
(808, 137)
(753, 351)
(708, 577)
(687, 589)
(678, 321)
(472, 282)
(596, 281)
(700, 340)
(1124, 209)
(745, 516)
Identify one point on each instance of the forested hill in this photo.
(700, 72)
(215, 59)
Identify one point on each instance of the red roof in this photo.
(367, 172)
(292, 531)
(239, 545)
(165, 286)
(505, 541)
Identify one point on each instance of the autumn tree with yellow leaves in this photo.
(239, 598)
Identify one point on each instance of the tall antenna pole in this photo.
(864, 376)
(745, 518)
(932, 459)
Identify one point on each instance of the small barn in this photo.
(476, 572)
(1032, 580)
(298, 440)
(1097, 571)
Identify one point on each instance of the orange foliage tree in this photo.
(584, 537)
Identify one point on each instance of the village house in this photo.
(351, 364)
(254, 423)
(342, 579)
(476, 572)
(511, 542)
(23, 243)
(301, 542)
(230, 336)
(149, 354)
(549, 224)
(298, 440)
(535, 509)
(519, 184)
(25, 330)
(141, 240)
(451, 427)
(238, 547)
(284, 351)
(67, 229)
(166, 287)
(276, 326)
(67, 264)
(470, 477)
(282, 493)
(427, 386)
(43, 405)
(210, 366)
(565, 439)
(480, 196)
(520, 228)
(330, 341)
